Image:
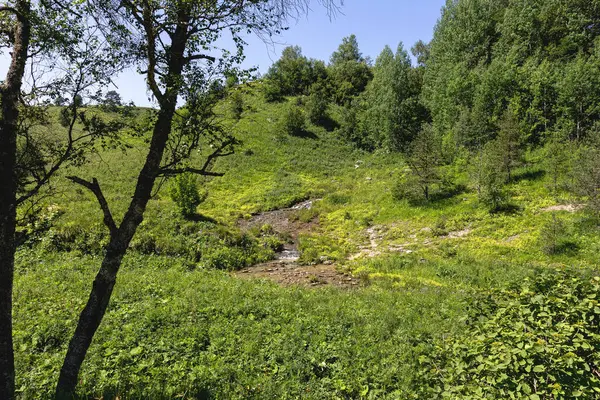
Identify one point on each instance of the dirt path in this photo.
(285, 269)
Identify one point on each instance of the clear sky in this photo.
(374, 22)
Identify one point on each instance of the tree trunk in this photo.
(105, 280)
(9, 100)
(7, 250)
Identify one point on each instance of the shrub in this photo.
(316, 107)
(490, 178)
(184, 192)
(587, 177)
(294, 122)
(554, 237)
(236, 105)
(536, 341)
(271, 92)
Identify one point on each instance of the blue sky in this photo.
(375, 23)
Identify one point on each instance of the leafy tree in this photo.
(554, 237)
(509, 145)
(393, 113)
(236, 104)
(489, 178)
(293, 122)
(171, 41)
(425, 159)
(421, 51)
(347, 51)
(587, 176)
(112, 101)
(558, 162)
(316, 105)
(35, 34)
(293, 74)
(184, 192)
(349, 71)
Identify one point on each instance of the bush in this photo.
(294, 122)
(554, 237)
(184, 192)
(316, 107)
(490, 178)
(587, 177)
(271, 92)
(236, 105)
(536, 341)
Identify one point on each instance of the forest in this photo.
(422, 225)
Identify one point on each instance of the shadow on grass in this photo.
(304, 134)
(568, 248)
(507, 208)
(116, 394)
(329, 124)
(438, 196)
(202, 218)
(534, 175)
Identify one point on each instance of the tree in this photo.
(509, 144)
(587, 176)
(112, 101)
(35, 32)
(347, 51)
(393, 113)
(350, 72)
(425, 159)
(171, 40)
(557, 161)
(293, 74)
(489, 178)
(316, 104)
(293, 122)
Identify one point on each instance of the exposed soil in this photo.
(285, 269)
(291, 273)
(564, 207)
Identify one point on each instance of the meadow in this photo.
(182, 324)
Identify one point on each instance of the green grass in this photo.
(170, 332)
(178, 327)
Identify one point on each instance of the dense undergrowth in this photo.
(179, 327)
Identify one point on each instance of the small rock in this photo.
(409, 251)
(369, 178)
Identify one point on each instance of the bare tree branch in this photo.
(94, 187)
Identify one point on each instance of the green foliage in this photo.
(236, 105)
(293, 74)
(587, 176)
(317, 103)
(349, 71)
(293, 122)
(425, 159)
(271, 91)
(535, 341)
(537, 57)
(184, 192)
(558, 156)
(112, 101)
(392, 114)
(489, 177)
(554, 237)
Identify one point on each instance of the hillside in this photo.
(183, 323)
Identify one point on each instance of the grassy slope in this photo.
(175, 330)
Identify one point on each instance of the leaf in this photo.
(136, 351)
